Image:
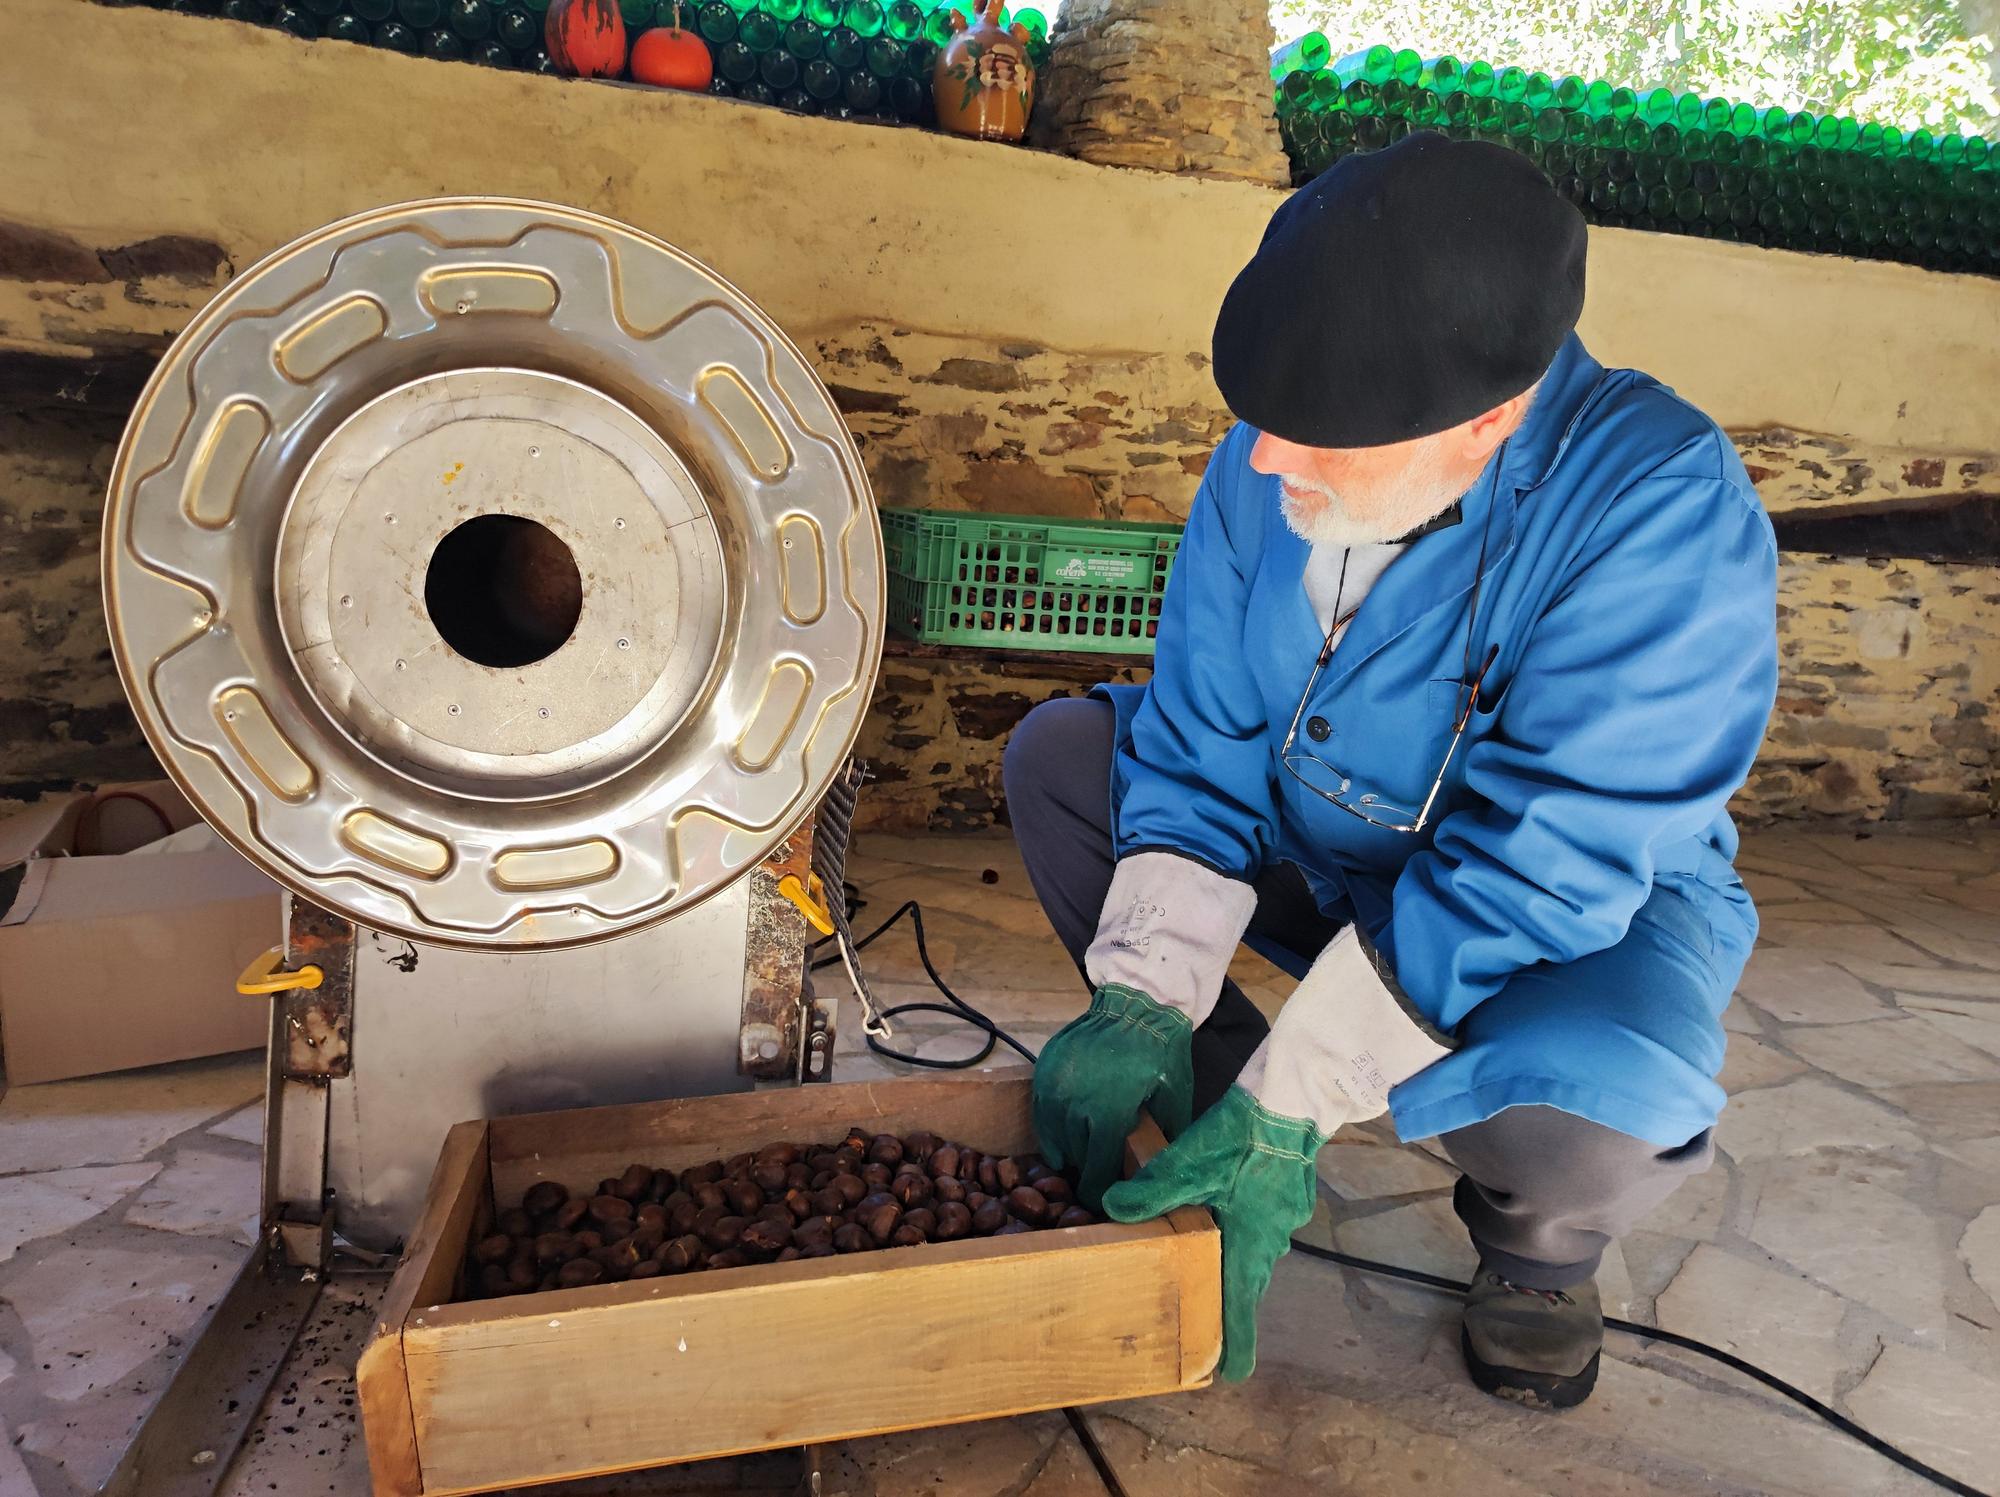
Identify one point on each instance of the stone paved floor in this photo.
(1849, 1239)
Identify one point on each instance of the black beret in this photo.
(1399, 293)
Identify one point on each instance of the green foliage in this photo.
(1898, 62)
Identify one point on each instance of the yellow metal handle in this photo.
(810, 898)
(264, 974)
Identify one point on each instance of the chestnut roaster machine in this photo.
(504, 584)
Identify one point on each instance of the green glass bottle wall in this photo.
(854, 59)
(1674, 163)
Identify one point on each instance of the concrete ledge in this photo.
(828, 224)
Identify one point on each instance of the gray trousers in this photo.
(1543, 1191)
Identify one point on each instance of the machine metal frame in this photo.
(571, 875)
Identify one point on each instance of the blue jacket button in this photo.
(1318, 730)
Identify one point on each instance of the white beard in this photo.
(1319, 516)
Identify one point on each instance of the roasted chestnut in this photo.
(515, 1223)
(634, 1183)
(495, 1249)
(879, 1214)
(954, 1219)
(682, 1254)
(725, 1233)
(543, 1197)
(763, 1238)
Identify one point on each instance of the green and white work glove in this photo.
(1343, 1039)
(1164, 942)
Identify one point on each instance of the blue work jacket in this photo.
(1629, 599)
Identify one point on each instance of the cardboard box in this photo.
(112, 956)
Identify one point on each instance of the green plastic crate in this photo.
(1027, 583)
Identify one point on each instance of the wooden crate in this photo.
(494, 1393)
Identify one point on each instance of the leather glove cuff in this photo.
(1345, 1037)
(1136, 1010)
(1169, 929)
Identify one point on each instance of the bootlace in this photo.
(1550, 1297)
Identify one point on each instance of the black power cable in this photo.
(1087, 1437)
(955, 1008)
(1687, 1343)
(959, 1009)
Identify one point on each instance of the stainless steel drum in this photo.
(493, 574)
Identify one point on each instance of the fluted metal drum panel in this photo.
(493, 573)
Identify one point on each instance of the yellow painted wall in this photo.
(1004, 329)
(126, 123)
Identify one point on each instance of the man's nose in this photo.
(1274, 455)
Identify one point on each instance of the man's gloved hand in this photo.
(1343, 1039)
(1125, 1053)
(1254, 1170)
(1168, 930)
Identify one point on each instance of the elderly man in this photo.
(1469, 641)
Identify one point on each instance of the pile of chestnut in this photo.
(783, 1202)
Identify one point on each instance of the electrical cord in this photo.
(1087, 1438)
(958, 1008)
(1687, 1343)
(955, 1007)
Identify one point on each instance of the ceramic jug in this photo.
(982, 82)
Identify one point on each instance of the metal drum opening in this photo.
(503, 590)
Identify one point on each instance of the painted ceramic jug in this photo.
(982, 82)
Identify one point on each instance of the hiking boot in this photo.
(1535, 1346)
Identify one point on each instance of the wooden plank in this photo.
(1100, 662)
(496, 1315)
(1200, 1271)
(458, 1196)
(1200, 1279)
(783, 1358)
(990, 1111)
(1146, 1141)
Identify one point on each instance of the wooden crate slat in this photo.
(458, 1196)
(580, 1148)
(790, 1361)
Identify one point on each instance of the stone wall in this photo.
(62, 713)
(1888, 693)
(950, 423)
(939, 726)
(1889, 699)
(1173, 85)
(1888, 706)
(1006, 330)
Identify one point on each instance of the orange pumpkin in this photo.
(669, 57)
(586, 38)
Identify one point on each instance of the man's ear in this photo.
(1488, 430)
